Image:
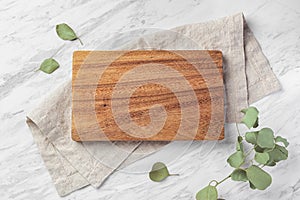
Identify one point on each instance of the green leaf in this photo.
(250, 118)
(258, 149)
(159, 172)
(207, 193)
(258, 177)
(239, 139)
(283, 140)
(239, 144)
(265, 138)
(262, 150)
(251, 137)
(65, 32)
(252, 186)
(271, 163)
(49, 65)
(239, 175)
(256, 123)
(278, 153)
(236, 159)
(261, 158)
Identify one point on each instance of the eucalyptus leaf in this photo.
(251, 137)
(256, 123)
(258, 149)
(262, 150)
(239, 175)
(159, 172)
(250, 118)
(239, 139)
(278, 153)
(207, 193)
(266, 150)
(49, 65)
(261, 158)
(283, 140)
(258, 177)
(236, 159)
(239, 144)
(271, 163)
(252, 186)
(265, 138)
(65, 32)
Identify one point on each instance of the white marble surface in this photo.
(27, 36)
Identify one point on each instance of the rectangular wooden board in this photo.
(147, 95)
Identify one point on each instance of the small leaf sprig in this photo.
(268, 150)
(49, 65)
(65, 32)
(159, 172)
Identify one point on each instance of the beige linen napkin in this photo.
(72, 165)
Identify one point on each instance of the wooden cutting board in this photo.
(147, 95)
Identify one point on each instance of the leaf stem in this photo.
(213, 181)
(80, 41)
(237, 127)
(173, 174)
(218, 183)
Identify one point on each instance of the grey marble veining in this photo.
(27, 36)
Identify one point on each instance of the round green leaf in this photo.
(271, 163)
(49, 65)
(207, 193)
(250, 118)
(265, 138)
(252, 186)
(261, 158)
(283, 140)
(258, 149)
(236, 159)
(65, 32)
(239, 175)
(258, 177)
(159, 172)
(251, 137)
(278, 153)
(262, 150)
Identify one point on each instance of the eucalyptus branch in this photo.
(267, 153)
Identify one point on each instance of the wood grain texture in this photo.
(151, 95)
